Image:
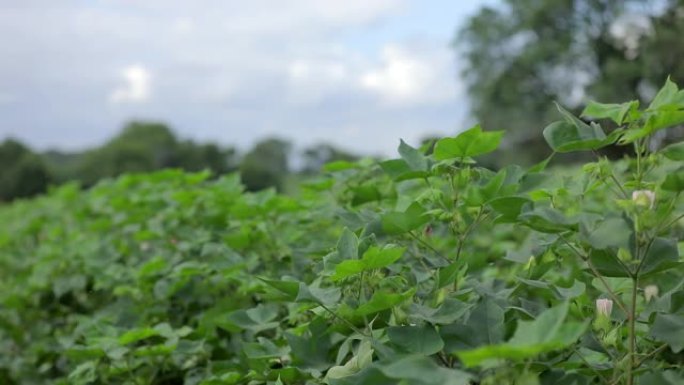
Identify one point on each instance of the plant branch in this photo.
(632, 333)
(598, 275)
(429, 246)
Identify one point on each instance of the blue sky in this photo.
(357, 73)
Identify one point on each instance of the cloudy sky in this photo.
(357, 73)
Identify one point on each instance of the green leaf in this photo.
(668, 95)
(295, 291)
(674, 151)
(263, 349)
(399, 170)
(662, 255)
(614, 112)
(447, 313)
(509, 207)
(413, 158)
(607, 263)
(547, 220)
(257, 319)
(339, 165)
(660, 377)
(669, 328)
(369, 376)
(365, 193)
(373, 258)
(383, 300)
(360, 360)
(674, 181)
(136, 335)
(310, 352)
(401, 222)
(377, 258)
(563, 136)
(485, 326)
(416, 339)
(549, 331)
(480, 194)
(577, 289)
(609, 232)
(448, 274)
(472, 142)
(348, 245)
(573, 134)
(421, 370)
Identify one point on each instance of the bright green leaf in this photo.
(472, 142)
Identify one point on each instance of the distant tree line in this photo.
(149, 146)
(521, 55)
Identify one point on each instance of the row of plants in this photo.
(425, 269)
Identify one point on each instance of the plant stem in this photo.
(652, 354)
(598, 275)
(429, 246)
(351, 325)
(631, 319)
(462, 238)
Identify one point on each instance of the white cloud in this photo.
(136, 88)
(412, 76)
(183, 25)
(311, 81)
(229, 70)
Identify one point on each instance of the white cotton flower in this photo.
(644, 198)
(650, 292)
(604, 307)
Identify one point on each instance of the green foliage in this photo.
(521, 54)
(425, 269)
(148, 146)
(22, 174)
(265, 165)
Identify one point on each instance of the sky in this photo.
(360, 74)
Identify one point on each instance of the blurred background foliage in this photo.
(525, 54)
(520, 56)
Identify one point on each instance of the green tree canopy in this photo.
(23, 173)
(149, 146)
(524, 54)
(318, 155)
(266, 165)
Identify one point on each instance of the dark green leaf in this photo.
(549, 331)
(401, 222)
(416, 339)
(674, 151)
(674, 181)
(662, 255)
(669, 328)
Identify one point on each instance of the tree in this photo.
(318, 155)
(149, 146)
(23, 173)
(522, 56)
(266, 165)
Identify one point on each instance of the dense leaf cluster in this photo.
(425, 269)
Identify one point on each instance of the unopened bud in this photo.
(650, 292)
(644, 198)
(604, 307)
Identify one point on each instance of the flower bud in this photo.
(602, 321)
(644, 198)
(604, 307)
(650, 292)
